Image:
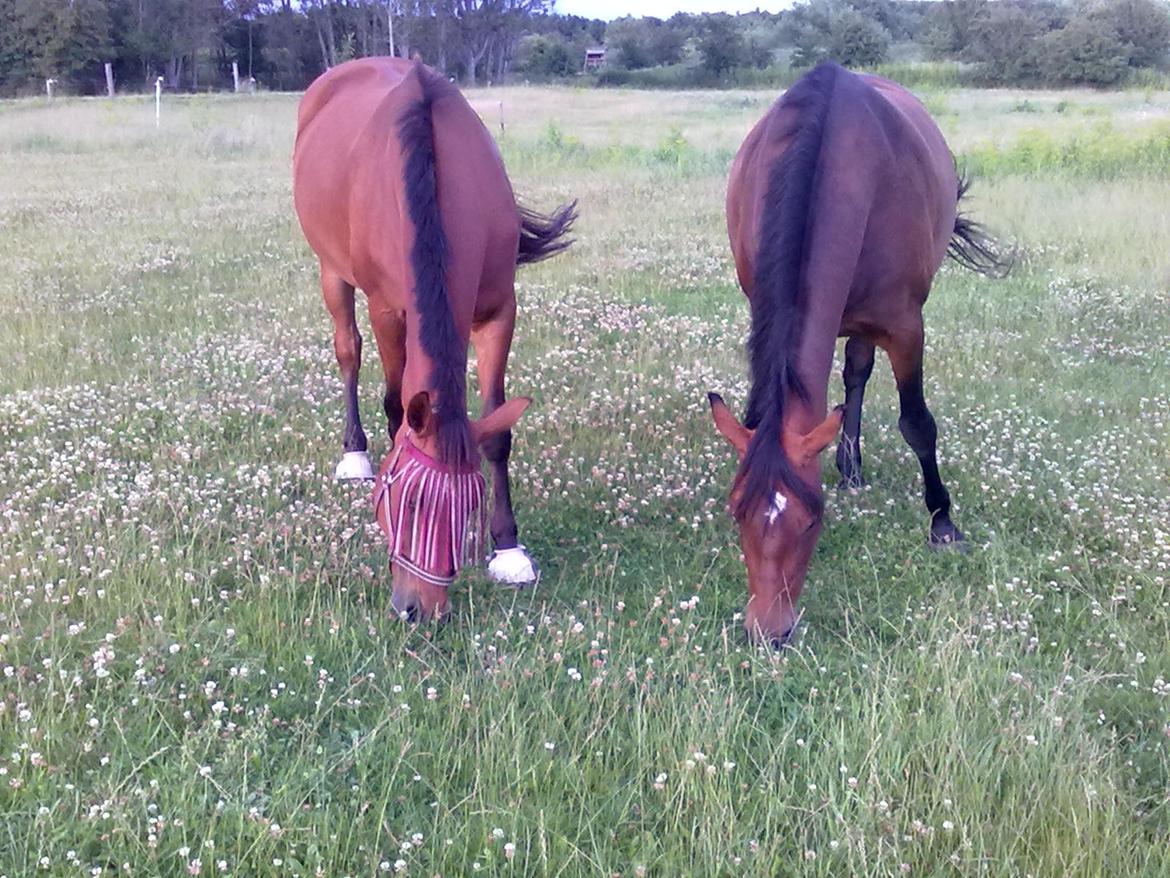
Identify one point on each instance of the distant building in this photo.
(594, 58)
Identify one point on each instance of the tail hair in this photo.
(972, 246)
(428, 259)
(544, 236)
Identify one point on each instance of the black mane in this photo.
(778, 300)
(428, 260)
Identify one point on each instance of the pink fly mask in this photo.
(433, 514)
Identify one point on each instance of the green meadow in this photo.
(201, 672)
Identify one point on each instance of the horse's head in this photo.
(432, 511)
(777, 531)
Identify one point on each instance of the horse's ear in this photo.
(419, 414)
(725, 422)
(502, 419)
(804, 449)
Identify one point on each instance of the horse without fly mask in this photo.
(400, 191)
(841, 206)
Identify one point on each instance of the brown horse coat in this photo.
(841, 206)
(348, 172)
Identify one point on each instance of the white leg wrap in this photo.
(353, 466)
(513, 567)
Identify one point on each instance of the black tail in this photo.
(778, 300)
(972, 247)
(544, 236)
(428, 260)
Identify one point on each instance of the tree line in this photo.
(284, 44)
(281, 44)
(1004, 42)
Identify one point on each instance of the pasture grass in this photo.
(200, 673)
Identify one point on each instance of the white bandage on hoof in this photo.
(513, 567)
(353, 466)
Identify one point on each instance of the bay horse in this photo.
(401, 192)
(842, 204)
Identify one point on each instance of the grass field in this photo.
(200, 671)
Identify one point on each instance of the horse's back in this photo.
(348, 175)
(348, 93)
(344, 129)
(885, 182)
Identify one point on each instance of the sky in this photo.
(609, 9)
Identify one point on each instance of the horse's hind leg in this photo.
(921, 434)
(858, 366)
(510, 562)
(347, 344)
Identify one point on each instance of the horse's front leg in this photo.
(921, 434)
(510, 562)
(347, 345)
(858, 366)
(390, 332)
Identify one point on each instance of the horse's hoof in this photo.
(950, 540)
(354, 466)
(781, 641)
(513, 567)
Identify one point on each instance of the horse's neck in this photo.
(814, 361)
(420, 370)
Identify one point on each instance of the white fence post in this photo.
(157, 100)
(235, 77)
(109, 79)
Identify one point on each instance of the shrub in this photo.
(544, 56)
(856, 40)
(824, 29)
(1005, 39)
(721, 45)
(1100, 151)
(1083, 52)
(1142, 27)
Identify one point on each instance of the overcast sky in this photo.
(608, 9)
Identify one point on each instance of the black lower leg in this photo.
(858, 367)
(347, 344)
(921, 434)
(392, 405)
(355, 437)
(497, 450)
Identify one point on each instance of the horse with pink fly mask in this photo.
(432, 513)
(401, 191)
